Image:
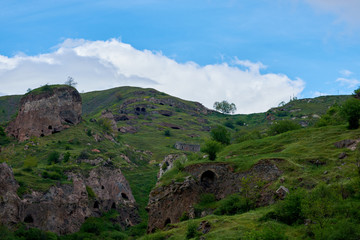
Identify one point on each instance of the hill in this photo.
(135, 129)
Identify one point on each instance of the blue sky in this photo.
(255, 53)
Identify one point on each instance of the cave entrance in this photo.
(124, 196)
(208, 178)
(96, 204)
(167, 221)
(113, 206)
(28, 219)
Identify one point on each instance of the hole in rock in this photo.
(96, 204)
(49, 127)
(208, 178)
(124, 196)
(29, 219)
(167, 221)
(113, 206)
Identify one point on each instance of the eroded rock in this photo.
(46, 112)
(63, 208)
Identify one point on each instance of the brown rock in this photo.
(168, 203)
(63, 208)
(46, 113)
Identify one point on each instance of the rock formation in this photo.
(45, 111)
(63, 208)
(168, 203)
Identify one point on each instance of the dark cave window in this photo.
(113, 206)
(50, 127)
(96, 204)
(208, 178)
(124, 196)
(167, 221)
(29, 219)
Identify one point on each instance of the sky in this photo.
(254, 53)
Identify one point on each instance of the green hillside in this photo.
(154, 122)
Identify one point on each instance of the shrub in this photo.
(351, 111)
(220, 134)
(225, 107)
(167, 133)
(332, 117)
(211, 147)
(191, 230)
(283, 126)
(233, 204)
(229, 124)
(341, 229)
(245, 136)
(89, 133)
(93, 225)
(54, 157)
(84, 155)
(90, 192)
(67, 157)
(289, 210)
(184, 217)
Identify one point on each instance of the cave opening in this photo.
(167, 221)
(113, 206)
(124, 196)
(29, 219)
(96, 204)
(208, 178)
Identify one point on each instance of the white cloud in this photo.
(346, 72)
(349, 83)
(98, 65)
(346, 10)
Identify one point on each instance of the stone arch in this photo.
(208, 178)
(124, 196)
(28, 219)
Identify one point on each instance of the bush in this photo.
(229, 124)
(90, 192)
(271, 231)
(67, 157)
(84, 155)
(54, 157)
(212, 148)
(184, 217)
(245, 136)
(341, 229)
(167, 133)
(191, 230)
(234, 204)
(289, 210)
(93, 225)
(351, 111)
(283, 126)
(332, 117)
(220, 134)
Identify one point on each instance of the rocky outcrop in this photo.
(168, 203)
(108, 116)
(168, 163)
(63, 208)
(46, 111)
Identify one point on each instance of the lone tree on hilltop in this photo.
(70, 81)
(225, 107)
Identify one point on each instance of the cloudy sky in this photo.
(254, 53)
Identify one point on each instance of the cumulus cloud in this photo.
(348, 82)
(346, 10)
(98, 65)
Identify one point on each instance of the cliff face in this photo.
(168, 203)
(63, 208)
(46, 112)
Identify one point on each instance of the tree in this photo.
(225, 107)
(351, 111)
(212, 148)
(70, 81)
(220, 134)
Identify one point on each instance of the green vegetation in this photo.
(225, 107)
(351, 111)
(211, 147)
(324, 199)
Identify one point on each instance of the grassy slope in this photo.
(297, 148)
